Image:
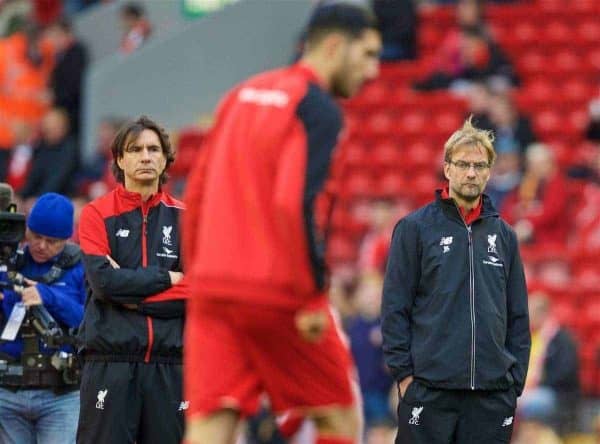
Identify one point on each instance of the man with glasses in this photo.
(454, 312)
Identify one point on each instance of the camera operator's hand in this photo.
(31, 296)
(29, 282)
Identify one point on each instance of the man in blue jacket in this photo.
(41, 404)
(454, 313)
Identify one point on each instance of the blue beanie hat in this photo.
(52, 216)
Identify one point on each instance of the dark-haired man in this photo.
(132, 329)
(67, 75)
(259, 320)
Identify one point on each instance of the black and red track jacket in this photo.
(132, 313)
(250, 229)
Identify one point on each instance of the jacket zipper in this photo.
(471, 297)
(472, 304)
(145, 264)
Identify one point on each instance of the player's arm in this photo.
(518, 336)
(399, 290)
(110, 283)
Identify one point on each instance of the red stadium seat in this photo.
(548, 122)
(357, 184)
(576, 91)
(525, 32)
(589, 32)
(419, 156)
(430, 36)
(564, 63)
(557, 32)
(387, 154)
(539, 90)
(531, 62)
(391, 185)
(593, 60)
(412, 122)
(341, 249)
(381, 123)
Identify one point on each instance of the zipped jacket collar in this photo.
(449, 206)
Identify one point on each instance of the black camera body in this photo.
(12, 232)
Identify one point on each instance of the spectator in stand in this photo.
(552, 388)
(374, 249)
(479, 96)
(468, 53)
(364, 332)
(71, 7)
(55, 157)
(398, 26)
(587, 217)
(96, 178)
(20, 160)
(46, 12)
(592, 132)
(506, 178)
(13, 14)
(65, 80)
(136, 27)
(512, 130)
(536, 432)
(537, 208)
(25, 65)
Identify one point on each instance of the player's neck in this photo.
(322, 70)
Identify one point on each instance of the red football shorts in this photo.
(236, 352)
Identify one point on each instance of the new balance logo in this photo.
(101, 395)
(122, 233)
(416, 412)
(183, 405)
(445, 242)
(507, 421)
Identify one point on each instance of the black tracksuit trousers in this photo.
(131, 402)
(432, 416)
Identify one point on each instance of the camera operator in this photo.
(42, 406)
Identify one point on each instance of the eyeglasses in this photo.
(479, 167)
